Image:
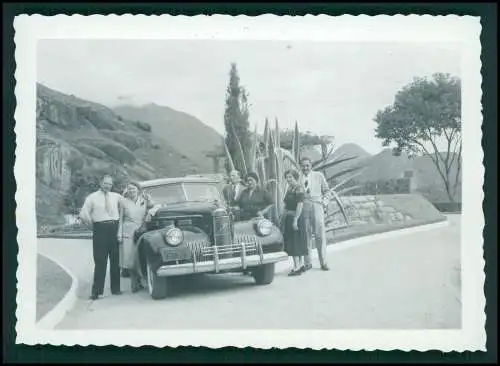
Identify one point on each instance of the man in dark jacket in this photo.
(233, 190)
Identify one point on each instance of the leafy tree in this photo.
(425, 112)
(306, 139)
(238, 137)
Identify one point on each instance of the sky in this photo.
(330, 88)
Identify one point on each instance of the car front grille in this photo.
(222, 230)
(228, 251)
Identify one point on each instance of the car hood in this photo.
(186, 209)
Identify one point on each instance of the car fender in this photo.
(246, 230)
(151, 245)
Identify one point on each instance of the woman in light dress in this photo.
(136, 206)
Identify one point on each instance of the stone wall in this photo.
(380, 209)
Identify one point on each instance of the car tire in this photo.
(264, 274)
(157, 285)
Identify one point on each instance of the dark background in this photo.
(19, 353)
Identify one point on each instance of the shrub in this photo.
(75, 162)
(143, 126)
(87, 181)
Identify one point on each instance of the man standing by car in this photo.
(315, 187)
(233, 190)
(101, 210)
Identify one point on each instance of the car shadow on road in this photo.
(201, 284)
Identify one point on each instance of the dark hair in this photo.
(252, 175)
(107, 176)
(293, 173)
(305, 158)
(135, 184)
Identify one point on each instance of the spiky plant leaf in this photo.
(344, 191)
(266, 137)
(343, 172)
(261, 168)
(329, 164)
(296, 143)
(346, 180)
(240, 154)
(253, 151)
(340, 204)
(228, 155)
(289, 161)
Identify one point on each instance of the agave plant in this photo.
(269, 160)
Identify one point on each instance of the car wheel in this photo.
(157, 285)
(264, 274)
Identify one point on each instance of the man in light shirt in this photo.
(315, 187)
(101, 210)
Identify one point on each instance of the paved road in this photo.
(406, 282)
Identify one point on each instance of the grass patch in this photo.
(52, 283)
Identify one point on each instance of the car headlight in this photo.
(174, 236)
(264, 227)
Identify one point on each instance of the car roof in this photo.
(164, 181)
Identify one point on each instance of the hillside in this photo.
(78, 139)
(346, 151)
(385, 165)
(180, 130)
(350, 149)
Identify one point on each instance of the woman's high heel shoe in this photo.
(295, 272)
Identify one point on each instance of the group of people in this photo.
(115, 218)
(303, 220)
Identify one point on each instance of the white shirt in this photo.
(238, 187)
(314, 185)
(94, 207)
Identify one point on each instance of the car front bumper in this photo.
(218, 264)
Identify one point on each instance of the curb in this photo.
(366, 239)
(56, 315)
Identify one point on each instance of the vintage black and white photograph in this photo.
(250, 181)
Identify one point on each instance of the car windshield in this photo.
(182, 192)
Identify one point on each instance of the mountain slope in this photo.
(346, 151)
(351, 149)
(80, 140)
(385, 165)
(180, 130)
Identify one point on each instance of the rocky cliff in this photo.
(80, 138)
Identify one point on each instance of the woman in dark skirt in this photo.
(294, 231)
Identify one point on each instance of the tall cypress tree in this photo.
(236, 121)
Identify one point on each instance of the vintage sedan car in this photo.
(195, 232)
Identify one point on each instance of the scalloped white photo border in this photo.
(463, 31)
